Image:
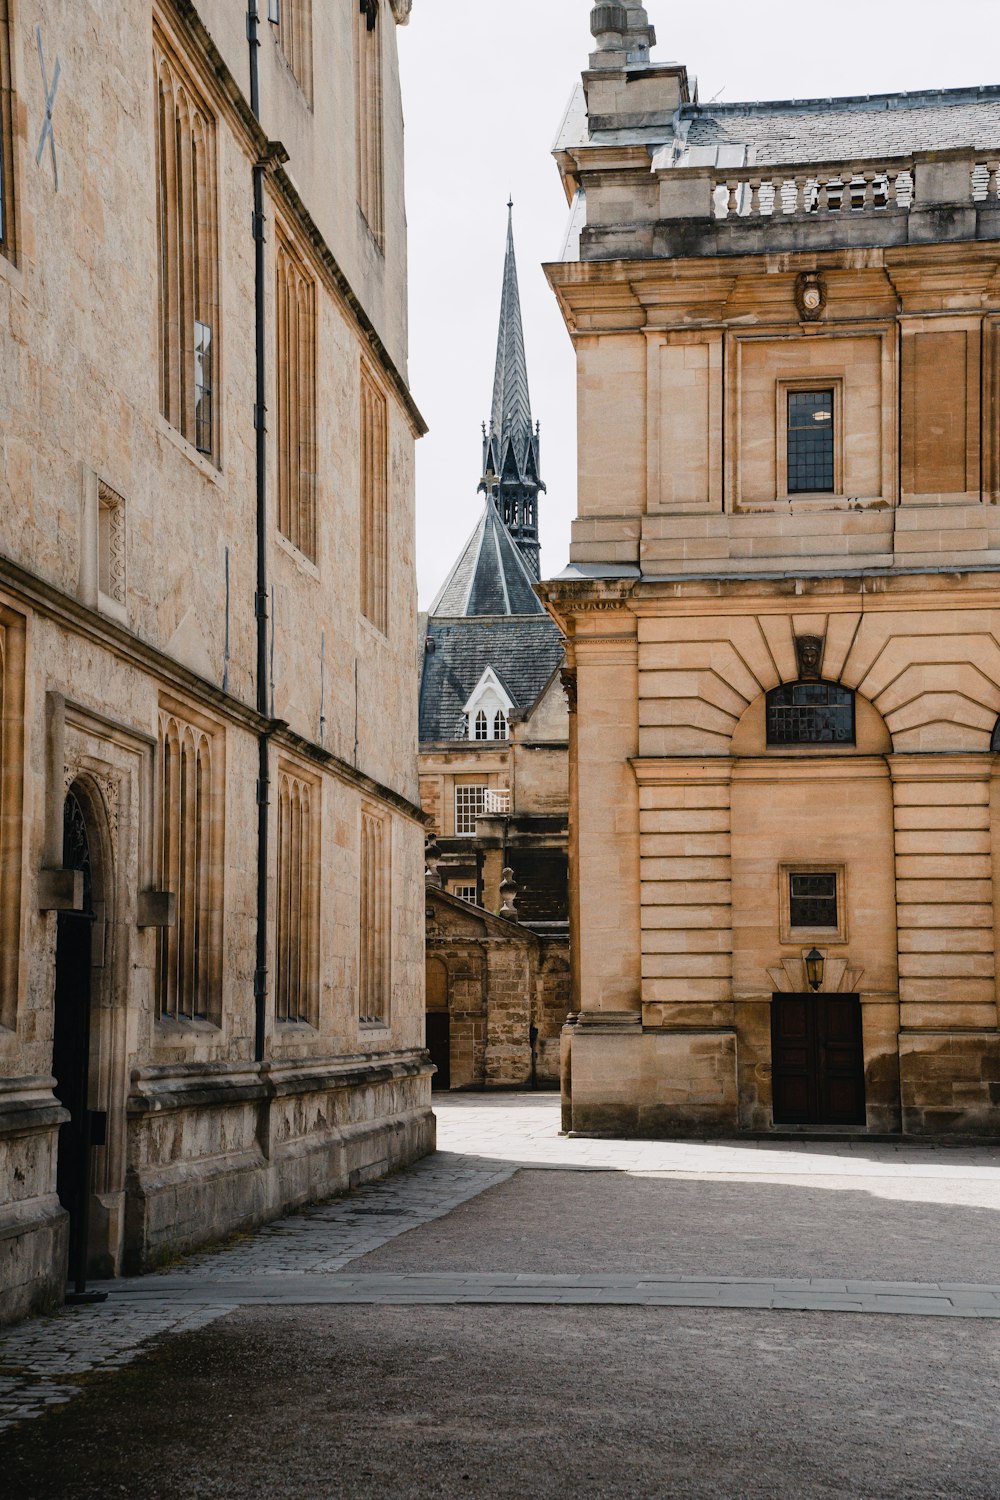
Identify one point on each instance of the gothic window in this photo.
(368, 123)
(500, 725)
(374, 971)
(296, 966)
(374, 504)
(487, 712)
(7, 241)
(190, 854)
(810, 713)
(187, 241)
(482, 726)
(810, 442)
(296, 415)
(295, 41)
(470, 802)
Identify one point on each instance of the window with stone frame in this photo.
(296, 400)
(466, 893)
(375, 876)
(187, 244)
(369, 130)
(374, 460)
(294, 31)
(470, 803)
(190, 839)
(810, 713)
(296, 958)
(8, 239)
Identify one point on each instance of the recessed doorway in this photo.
(817, 1060)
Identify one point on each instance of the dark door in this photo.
(71, 1041)
(439, 1046)
(817, 1059)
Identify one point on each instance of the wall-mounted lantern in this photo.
(815, 963)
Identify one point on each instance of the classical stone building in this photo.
(782, 608)
(494, 765)
(211, 849)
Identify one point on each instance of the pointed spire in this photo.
(511, 418)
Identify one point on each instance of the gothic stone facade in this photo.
(134, 698)
(494, 743)
(782, 607)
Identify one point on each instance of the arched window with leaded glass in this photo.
(810, 713)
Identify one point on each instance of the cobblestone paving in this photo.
(483, 1141)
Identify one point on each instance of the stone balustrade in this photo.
(854, 187)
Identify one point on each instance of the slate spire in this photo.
(511, 444)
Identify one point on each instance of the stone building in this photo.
(782, 608)
(211, 848)
(493, 767)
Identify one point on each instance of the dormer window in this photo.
(487, 713)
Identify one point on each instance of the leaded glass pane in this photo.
(810, 442)
(813, 900)
(810, 713)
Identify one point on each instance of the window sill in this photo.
(373, 630)
(177, 1029)
(208, 468)
(301, 560)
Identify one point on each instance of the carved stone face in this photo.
(809, 649)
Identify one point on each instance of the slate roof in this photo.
(524, 652)
(490, 576)
(511, 416)
(869, 126)
(811, 130)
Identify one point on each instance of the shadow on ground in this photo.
(531, 1402)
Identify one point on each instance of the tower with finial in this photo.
(511, 443)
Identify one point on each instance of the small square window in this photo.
(812, 900)
(813, 903)
(810, 442)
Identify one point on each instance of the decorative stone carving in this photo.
(567, 676)
(810, 295)
(432, 856)
(608, 24)
(809, 653)
(401, 10)
(508, 895)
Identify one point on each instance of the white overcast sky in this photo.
(485, 83)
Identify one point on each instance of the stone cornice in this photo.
(34, 593)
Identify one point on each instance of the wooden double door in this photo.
(817, 1060)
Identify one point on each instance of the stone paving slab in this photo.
(927, 1300)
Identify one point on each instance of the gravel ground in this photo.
(531, 1403)
(588, 1222)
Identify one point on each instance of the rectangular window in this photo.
(7, 239)
(296, 964)
(375, 955)
(466, 893)
(812, 900)
(187, 240)
(189, 975)
(470, 803)
(374, 504)
(810, 442)
(296, 382)
(295, 41)
(368, 111)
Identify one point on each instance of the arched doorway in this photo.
(73, 1028)
(438, 1034)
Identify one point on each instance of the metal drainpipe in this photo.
(260, 599)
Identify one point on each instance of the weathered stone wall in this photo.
(187, 1106)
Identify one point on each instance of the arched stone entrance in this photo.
(80, 939)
